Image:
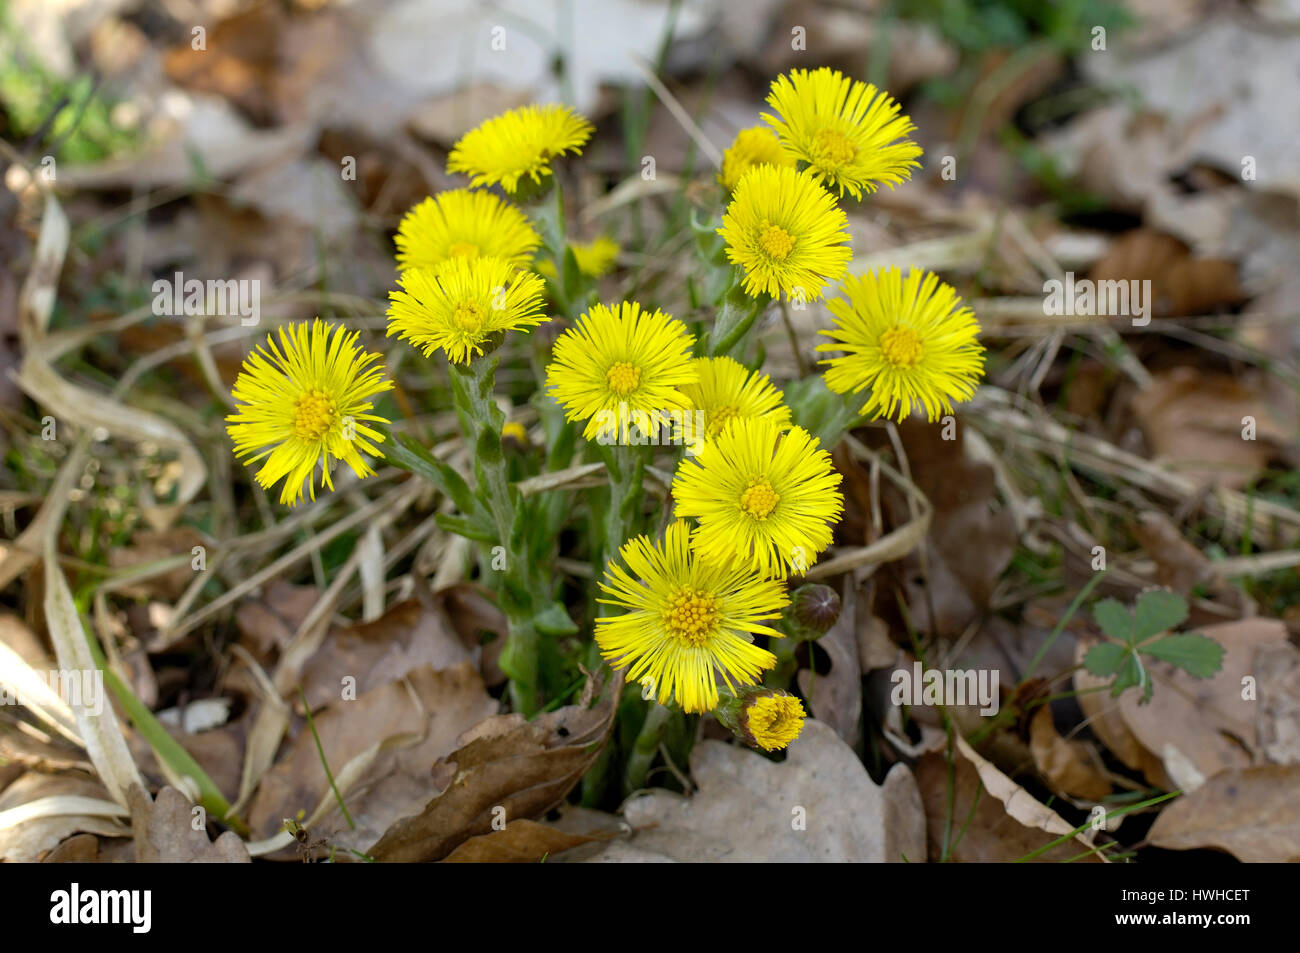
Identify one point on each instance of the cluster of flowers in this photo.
(757, 500)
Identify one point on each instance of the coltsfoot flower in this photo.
(595, 258)
(304, 400)
(786, 232)
(909, 340)
(850, 133)
(462, 304)
(762, 498)
(463, 224)
(689, 620)
(727, 390)
(520, 142)
(622, 364)
(756, 146)
(764, 718)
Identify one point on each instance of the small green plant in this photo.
(1139, 633)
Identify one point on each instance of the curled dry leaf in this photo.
(1065, 764)
(39, 810)
(520, 842)
(96, 723)
(165, 832)
(1253, 813)
(506, 768)
(817, 805)
(1018, 803)
(992, 835)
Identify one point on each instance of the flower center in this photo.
(462, 250)
(691, 615)
(834, 147)
(901, 347)
(469, 316)
(314, 414)
(623, 378)
(759, 499)
(720, 418)
(776, 241)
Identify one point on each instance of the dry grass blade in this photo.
(100, 731)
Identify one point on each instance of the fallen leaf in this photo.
(819, 805)
(992, 835)
(404, 638)
(1018, 803)
(1064, 763)
(506, 767)
(399, 731)
(1252, 813)
(1205, 719)
(520, 842)
(1194, 421)
(38, 811)
(164, 832)
(1278, 687)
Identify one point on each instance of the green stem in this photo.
(481, 421)
(626, 469)
(646, 747)
(734, 320)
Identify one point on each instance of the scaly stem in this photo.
(734, 320)
(481, 421)
(626, 469)
(646, 746)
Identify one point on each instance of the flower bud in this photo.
(766, 718)
(816, 607)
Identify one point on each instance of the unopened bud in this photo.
(766, 718)
(816, 607)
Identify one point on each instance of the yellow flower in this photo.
(908, 339)
(622, 364)
(464, 224)
(520, 142)
(304, 400)
(756, 146)
(595, 258)
(763, 499)
(771, 721)
(727, 390)
(847, 131)
(688, 620)
(787, 233)
(462, 304)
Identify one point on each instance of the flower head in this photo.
(762, 498)
(304, 400)
(850, 133)
(595, 258)
(787, 233)
(727, 390)
(908, 339)
(756, 146)
(689, 620)
(519, 142)
(464, 224)
(766, 718)
(463, 303)
(619, 364)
